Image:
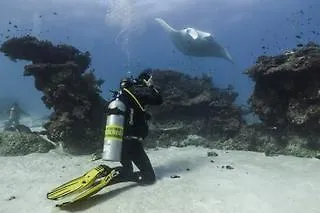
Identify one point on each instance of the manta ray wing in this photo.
(219, 51)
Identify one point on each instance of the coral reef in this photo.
(286, 98)
(69, 87)
(192, 105)
(286, 90)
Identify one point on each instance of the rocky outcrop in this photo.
(287, 89)
(286, 98)
(23, 143)
(192, 106)
(69, 87)
(259, 138)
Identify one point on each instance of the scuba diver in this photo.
(14, 114)
(14, 117)
(132, 97)
(136, 94)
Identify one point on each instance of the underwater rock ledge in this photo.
(192, 106)
(287, 89)
(69, 87)
(197, 113)
(30, 48)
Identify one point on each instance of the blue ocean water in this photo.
(123, 37)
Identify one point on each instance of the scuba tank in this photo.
(12, 113)
(114, 131)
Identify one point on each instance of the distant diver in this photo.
(14, 116)
(13, 122)
(193, 42)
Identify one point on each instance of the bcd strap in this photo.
(135, 99)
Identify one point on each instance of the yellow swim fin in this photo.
(93, 189)
(77, 184)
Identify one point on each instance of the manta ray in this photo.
(193, 42)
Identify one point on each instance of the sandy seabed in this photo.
(256, 184)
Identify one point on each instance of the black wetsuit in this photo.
(135, 131)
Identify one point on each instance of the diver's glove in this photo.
(149, 82)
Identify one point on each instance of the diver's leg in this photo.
(126, 159)
(126, 169)
(142, 161)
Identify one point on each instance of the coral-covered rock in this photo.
(271, 141)
(29, 48)
(287, 89)
(192, 105)
(69, 87)
(22, 143)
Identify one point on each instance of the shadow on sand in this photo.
(96, 199)
(179, 166)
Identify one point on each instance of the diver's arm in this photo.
(156, 96)
(149, 95)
